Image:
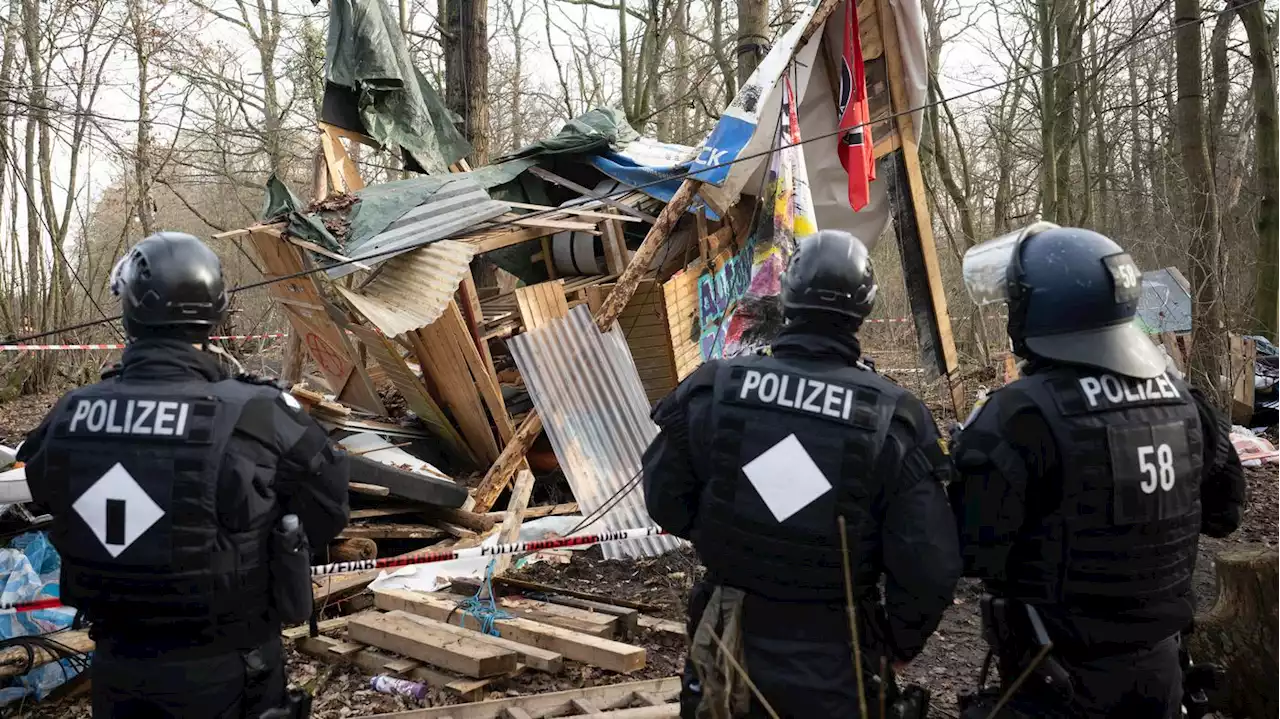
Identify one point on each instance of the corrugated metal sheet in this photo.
(589, 395)
(460, 203)
(413, 289)
(1166, 304)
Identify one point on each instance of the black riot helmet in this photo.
(170, 285)
(829, 274)
(1072, 295)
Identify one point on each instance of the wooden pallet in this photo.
(634, 700)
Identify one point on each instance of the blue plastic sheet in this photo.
(29, 570)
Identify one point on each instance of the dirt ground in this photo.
(951, 661)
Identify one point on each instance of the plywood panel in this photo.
(541, 303)
(414, 392)
(680, 295)
(441, 344)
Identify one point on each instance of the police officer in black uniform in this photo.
(757, 459)
(173, 487)
(1083, 487)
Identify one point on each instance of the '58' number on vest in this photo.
(1160, 473)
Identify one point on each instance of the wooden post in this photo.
(512, 456)
(937, 335)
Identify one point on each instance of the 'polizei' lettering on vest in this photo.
(800, 393)
(138, 417)
(1108, 390)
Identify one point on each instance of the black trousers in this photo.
(237, 684)
(798, 656)
(1145, 684)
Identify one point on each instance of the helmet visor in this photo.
(985, 267)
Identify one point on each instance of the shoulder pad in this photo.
(909, 410)
(703, 378)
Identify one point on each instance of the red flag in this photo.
(856, 149)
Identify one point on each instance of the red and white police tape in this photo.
(118, 346)
(363, 565)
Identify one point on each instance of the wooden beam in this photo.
(372, 490)
(549, 510)
(941, 320)
(639, 263)
(532, 657)
(391, 531)
(394, 631)
(571, 210)
(508, 463)
(553, 703)
(555, 179)
(597, 651)
(375, 662)
(510, 531)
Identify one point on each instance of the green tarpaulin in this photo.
(368, 56)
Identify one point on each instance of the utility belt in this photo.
(1016, 635)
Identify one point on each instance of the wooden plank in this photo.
(322, 626)
(541, 304)
(597, 624)
(343, 649)
(376, 662)
(343, 173)
(441, 342)
(628, 620)
(664, 626)
(469, 305)
(597, 651)
(508, 463)
(552, 703)
(558, 225)
(414, 392)
(555, 179)
(376, 512)
(525, 585)
(391, 531)
(371, 490)
(395, 632)
(533, 657)
(516, 713)
(615, 245)
(483, 374)
(510, 531)
(494, 239)
(919, 201)
(549, 510)
(584, 706)
(596, 215)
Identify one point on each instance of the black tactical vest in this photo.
(806, 437)
(134, 468)
(1120, 546)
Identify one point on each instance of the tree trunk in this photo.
(268, 41)
(466, 71)
(1209, 347)
(753, 35)
(1048, 112)
(35, 104)
(680, 91)
(1239, 632)
(728, 77)
(1137, 197)
(1262, 48)
(142, 152)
